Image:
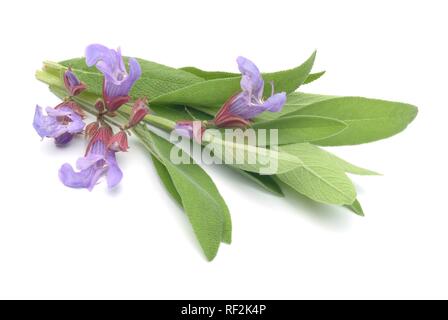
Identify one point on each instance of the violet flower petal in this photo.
(110, 62)
(63, 139)
(83, 179)
(44, 125)
(114, 173)
(275, 102)
(251, 80)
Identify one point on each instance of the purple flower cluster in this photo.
(66, 120)
(240, 108)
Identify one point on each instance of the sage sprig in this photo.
(221, 115)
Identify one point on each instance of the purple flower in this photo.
(72, 83)
(249, 103)
(60, 123)
(117, 81)
(99, 161)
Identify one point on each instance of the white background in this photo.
(134, 242)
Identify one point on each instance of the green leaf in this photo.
(245, 156)
(297, 129)
(356, 208)
(175, 113)
(206, 210)
(318, 178)
(314, 76)
(166, 179)
(266, 182)
(368, 119)
(210, 75)
(351, 168)
(214, 93)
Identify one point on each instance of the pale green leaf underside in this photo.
(356, 208)
(318, 177)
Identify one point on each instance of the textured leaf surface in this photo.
(200, 198)
(351, 168)
(214, 93)
(367, 119)
(297, 129)
(318, 177)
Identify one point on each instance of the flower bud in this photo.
(139, 111)
(119, 142)
(72, 83)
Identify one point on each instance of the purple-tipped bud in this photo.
(72, 83)
(139, 111)
(119, 142)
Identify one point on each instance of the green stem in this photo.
(160, 122)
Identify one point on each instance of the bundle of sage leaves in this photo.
(257, 123)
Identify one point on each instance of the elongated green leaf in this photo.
(356, 208)
(246, 156)
(368, 119)
(214, 93)
(351, 168)
(314, 76)
(166, 179)
(318, 177)
(297, 129)
(210, 75)
(202, 202)
(176, 113)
